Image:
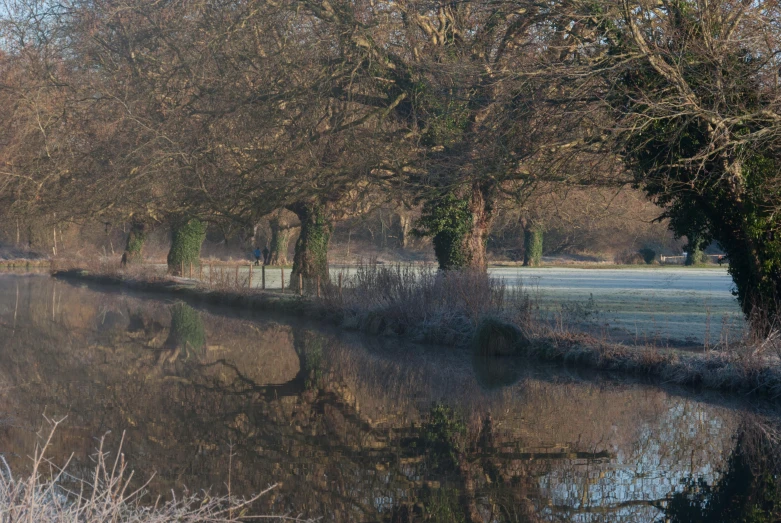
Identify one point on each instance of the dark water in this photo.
(358, 430)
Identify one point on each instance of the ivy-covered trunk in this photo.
(738, 217)
(754, 254)
(532, 243)
(694, 248)
(187, 331)
(135, 243)
(311, 255)
(186, 240)
(460, 227)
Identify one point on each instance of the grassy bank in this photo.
(469, 309)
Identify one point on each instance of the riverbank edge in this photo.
(721, 371)
(23, 263)
(259, 301)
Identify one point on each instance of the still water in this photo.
(348, 428)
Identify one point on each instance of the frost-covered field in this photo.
(655, 303)
(666, 304)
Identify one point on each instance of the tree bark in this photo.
(532, 243)
(280, 240)
(461, 244)
(135, 243)
(311, 255)
(404, 228)
(186, 240)
(481, 209)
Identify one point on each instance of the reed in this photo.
(51, 494)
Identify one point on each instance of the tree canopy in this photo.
(224, 112)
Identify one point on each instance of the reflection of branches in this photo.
(341, 430)
(294, 387)
(749, 488)
(609, 509)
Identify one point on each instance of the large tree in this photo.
(695, 96)
(469, 85)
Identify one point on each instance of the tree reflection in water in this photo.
(749, 489)
(348, 431)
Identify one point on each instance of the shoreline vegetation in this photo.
(468, 309)
(51, 493)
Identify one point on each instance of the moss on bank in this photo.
(495, 337)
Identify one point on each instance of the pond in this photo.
(355, 429)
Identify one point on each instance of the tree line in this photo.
(188, 112)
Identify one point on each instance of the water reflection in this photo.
(349, 432)
(749, 489)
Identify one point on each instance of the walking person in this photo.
(257, 254)
(266, 255)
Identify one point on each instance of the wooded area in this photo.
(305, 113)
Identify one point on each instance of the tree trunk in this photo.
(134, 245)
(532, 243)
(461, 243)
(755, 267)
(187, 330)
(481, 209)
(280, 239)
(694, 254)
(186, 240)
(311, 255)
(748, 236)
(404, 226)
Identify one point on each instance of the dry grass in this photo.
(420, 303)
(725, 370)
(451, 308)
(51, 495)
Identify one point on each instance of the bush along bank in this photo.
(467, 309)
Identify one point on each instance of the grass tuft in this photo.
(108, 495)
(422, 304)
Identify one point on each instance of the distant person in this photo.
(721, 259)
(257, 254)
(266, 255)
